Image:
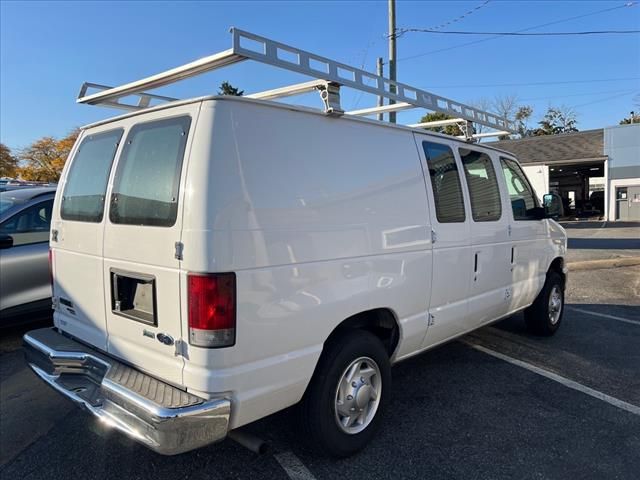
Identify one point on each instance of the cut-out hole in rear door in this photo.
(133, 296)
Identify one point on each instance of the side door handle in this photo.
(475, 266)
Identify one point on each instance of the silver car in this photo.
(25, 288)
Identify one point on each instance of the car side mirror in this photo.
(553, 207)
(6, 241)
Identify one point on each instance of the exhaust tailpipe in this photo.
(250, 441)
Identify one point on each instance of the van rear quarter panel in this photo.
(321, 218)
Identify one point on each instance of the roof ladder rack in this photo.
(329, 77)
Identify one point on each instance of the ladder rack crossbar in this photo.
(144, 98)
(438, 123)
(248, 46)
(394, 107)
(182, 72)
(288, 91)
(498, 133)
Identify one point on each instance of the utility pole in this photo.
(380, 73)
(392, 54)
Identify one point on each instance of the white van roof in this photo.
(285, 106)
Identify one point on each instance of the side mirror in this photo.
(553, 207)
(6, 241)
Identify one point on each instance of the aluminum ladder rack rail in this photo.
(329, 74)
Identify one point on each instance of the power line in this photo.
(629, 92)
(455, 20)
(559, 82)
(365, 52)
(597, 12)
(520, 34)
(574, 95)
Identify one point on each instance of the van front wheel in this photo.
(543, 317)
(342, 407)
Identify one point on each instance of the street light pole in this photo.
(392, 54)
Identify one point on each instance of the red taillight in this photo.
(212, 309)
(51, 269)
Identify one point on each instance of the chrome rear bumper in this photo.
(160, 416)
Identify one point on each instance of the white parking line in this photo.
(604, 315)
(558, 378)
(293, 466)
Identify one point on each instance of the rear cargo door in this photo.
(77, 228)
(141, 244)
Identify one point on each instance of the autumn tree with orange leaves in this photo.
(44, 159)
(8, 162)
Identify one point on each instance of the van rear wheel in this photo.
(543, 317)
(341, 409)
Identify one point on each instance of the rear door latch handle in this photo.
(179, 246)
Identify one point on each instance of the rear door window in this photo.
(86, 184)
(145, 191)
(481, 178)
(445, 182)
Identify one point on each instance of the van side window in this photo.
(145, 190)
(522, 196)
(86, 184)
(445, 182)
(486, 205)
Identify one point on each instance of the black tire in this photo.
(537, 316)
(317, 410)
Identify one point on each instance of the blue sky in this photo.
(49, 48)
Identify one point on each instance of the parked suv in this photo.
(25, 281)
(220, 259)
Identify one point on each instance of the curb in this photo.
(605, 263)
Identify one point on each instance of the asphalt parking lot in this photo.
(498, 403)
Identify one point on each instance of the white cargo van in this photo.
(219, 259)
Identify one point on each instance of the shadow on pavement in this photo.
(598, 224)
(604, 243)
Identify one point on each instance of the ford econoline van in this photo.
(219, 259)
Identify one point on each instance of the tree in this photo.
(484, 104)
(227, 89)
(44, 159)
(8, 162)
(633, 118)
(523, 114)
(557, 120)
(505, 105)
(448, 129)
